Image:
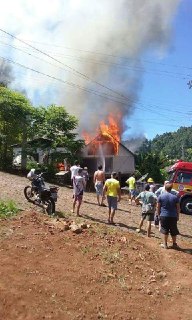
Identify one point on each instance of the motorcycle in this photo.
(41, 195)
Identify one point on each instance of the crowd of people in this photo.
(158, 206)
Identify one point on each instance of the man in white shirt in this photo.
(74, 170)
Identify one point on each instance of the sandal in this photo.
(164, 246)
(175, 246)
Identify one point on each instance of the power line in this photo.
(110, 55)
(184, 114)
(110, 63)
(88, 90)
(91, 91)
(74, 70)
(147, 109)
(100, 94)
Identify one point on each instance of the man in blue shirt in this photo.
(168, 209)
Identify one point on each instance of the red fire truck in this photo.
(181, 177)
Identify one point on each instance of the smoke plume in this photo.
(97, 48)
(6, 76)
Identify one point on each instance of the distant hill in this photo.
(175, 145)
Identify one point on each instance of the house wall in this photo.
(124, 151)
(16, 151)
(124, 164)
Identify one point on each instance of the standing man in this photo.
(161, 190)
(113, 192)
(78, 188)
(150, 181)
(148, 200)
(99, 179)
(132, 187)
(168, 209)
(85, 175)
(74, 170)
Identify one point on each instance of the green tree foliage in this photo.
(154, 156)
(20, 122)
(174, 144)
(14, 110)
(150, 163)
(56, 124)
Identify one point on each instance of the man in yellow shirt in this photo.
(113, 192)
(132, 187)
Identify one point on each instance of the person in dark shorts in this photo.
(168, 209)
(148, 200)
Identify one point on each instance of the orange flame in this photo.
(107, 135)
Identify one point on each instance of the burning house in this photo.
(106, 149)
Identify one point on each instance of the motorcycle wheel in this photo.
(50, 209)
(29, 193)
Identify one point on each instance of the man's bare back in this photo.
(99, 179)
(99, 176)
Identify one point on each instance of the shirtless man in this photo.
(99, 179)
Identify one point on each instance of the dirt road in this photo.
(105, 272)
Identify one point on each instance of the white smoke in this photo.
(6, 76)
(95, 38)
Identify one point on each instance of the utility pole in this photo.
(182, 152)
(24, 143)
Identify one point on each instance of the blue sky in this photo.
(165, 92)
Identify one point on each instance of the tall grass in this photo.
(8, 209)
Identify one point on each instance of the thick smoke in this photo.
(103, 40)
(6, 76)
(133, 144)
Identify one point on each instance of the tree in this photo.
(14, 111)
(153, 164)
(20, 122)
(56, 124)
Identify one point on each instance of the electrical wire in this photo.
(100, 94)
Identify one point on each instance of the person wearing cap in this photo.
(113, 192)
(78, 188)
(150, 181)
(132, 187)
(147, 198)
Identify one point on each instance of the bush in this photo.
(8, 209)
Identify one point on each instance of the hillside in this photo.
(175, 145)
